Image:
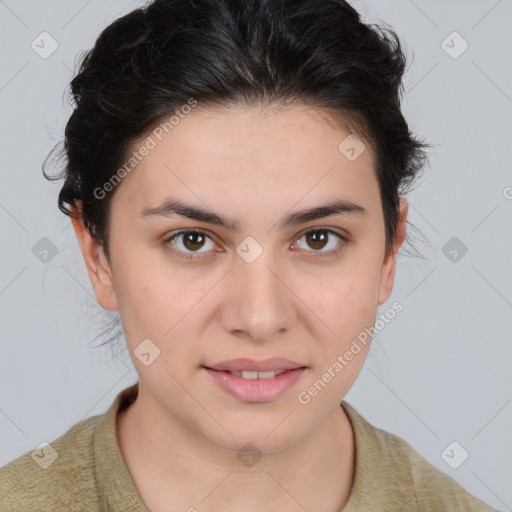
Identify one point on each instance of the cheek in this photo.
(342, 307)
(348, 307)
(147, 303)
(167, 310)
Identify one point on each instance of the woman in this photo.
(236, 177)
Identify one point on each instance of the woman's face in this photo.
(267, 282)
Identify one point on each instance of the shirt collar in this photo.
(367, 464)
(115, 486)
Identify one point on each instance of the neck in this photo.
(169, 463)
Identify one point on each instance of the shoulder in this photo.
(402, 478)
(56, 476)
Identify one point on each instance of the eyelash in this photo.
(193, 255)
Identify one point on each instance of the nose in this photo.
(259, 303)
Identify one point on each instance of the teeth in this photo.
(257, 375)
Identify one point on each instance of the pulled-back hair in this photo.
(151, 62)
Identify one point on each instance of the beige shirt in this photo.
(89, 473)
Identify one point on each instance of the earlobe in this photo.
(97, 265)
(387, 277)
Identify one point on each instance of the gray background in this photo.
(438, 373)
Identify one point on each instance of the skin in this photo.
(181, 436)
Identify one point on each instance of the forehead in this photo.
(247, 158)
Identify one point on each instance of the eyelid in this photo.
(335, 231)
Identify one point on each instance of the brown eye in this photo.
(189, 242)
(317, 239)
(193, 240)
(325, 242)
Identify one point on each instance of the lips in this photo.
(255, 389)
(273, 364)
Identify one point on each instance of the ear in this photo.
(387, 276)
(97, 264)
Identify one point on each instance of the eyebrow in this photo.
(173, 206)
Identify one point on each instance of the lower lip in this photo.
(256, 390)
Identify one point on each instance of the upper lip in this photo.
(268, 365)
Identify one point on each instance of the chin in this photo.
(259, 436)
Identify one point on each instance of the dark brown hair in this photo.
(152, 61)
